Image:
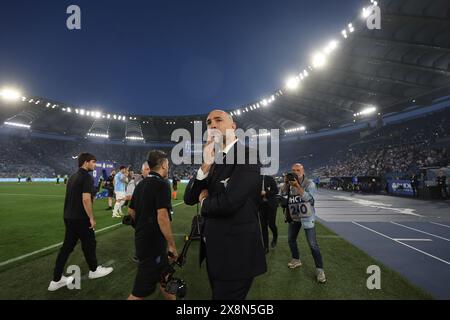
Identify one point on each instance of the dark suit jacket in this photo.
(271, 188)
(233, 246)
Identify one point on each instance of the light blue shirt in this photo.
(119, 182)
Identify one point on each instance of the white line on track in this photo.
(440, 224)
(417, 230)
(403, 244)
(379, 205)
(412, 239)
(4, 263)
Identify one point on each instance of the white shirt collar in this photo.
(228, 148)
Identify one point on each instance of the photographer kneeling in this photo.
(299, 210)
(150, 208)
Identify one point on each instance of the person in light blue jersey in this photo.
(120, 187)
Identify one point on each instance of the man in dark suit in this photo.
(229, 193)
(268, 211)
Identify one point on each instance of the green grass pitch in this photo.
(31, 219)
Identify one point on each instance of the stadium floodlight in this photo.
(265, 103)
(69, 110)
(82, 112)
(135, 138)
(266, 134)
(351, 28)
(331, 47)
(108, 116)
(302, 129)
(292, 83)
(366, 112)
(344, 34)
(239, 112)
(319, 60)
(10, 94)
(98, 135)
(17, 125)
(365, 13)
(115, 117)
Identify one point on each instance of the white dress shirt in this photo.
(201, 175)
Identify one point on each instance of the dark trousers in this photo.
(76, 229)
(268, 216)
(229, 290)
(444, 192)
(415, 191)
(293, 230)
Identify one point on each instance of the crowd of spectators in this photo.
(393, 149)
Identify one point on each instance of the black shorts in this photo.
(110, 193)
(148, 276)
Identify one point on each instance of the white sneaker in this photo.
(100, 272)
(295, 263)
(321, 276)
(53, 286)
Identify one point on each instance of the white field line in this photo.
(425, 240)
(4, 263)
(417, 230)
(440, 224)
(403, 244)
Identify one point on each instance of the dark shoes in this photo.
(273, 244)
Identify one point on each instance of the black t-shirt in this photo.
(151, 194)
(79, 183)
(109, 183)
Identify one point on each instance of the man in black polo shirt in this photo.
(80, 224)
(150, 207)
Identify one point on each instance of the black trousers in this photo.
(444, 192)
(268, 217)
(415, 190)
(76, 230)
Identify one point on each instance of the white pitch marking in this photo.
(412, 239)
(403, 244)
(440, 224)
(414, 229)
(4, 263)
(379, 205)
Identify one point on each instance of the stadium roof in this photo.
(406, 62)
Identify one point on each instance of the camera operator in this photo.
(150, 207)
(300, 211)
(268, 211)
